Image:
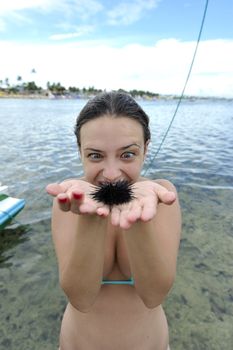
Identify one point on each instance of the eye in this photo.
(94, 156)
(128, 155)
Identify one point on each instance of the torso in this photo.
(118, 319)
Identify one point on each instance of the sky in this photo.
(112, 44)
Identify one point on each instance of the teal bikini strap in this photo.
(128, 282)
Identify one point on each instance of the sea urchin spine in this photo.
(113, 193)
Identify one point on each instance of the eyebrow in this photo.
(121, 149)
(128, 146)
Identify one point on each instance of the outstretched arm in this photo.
(152, 227)
(79, 239)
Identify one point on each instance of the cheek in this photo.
(132, 170)
(91, 170)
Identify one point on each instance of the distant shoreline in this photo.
(55, 91)
(85, 96)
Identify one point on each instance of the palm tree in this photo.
(7, 82)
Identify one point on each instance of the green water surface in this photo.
(199, 307)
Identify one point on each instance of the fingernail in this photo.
(77, 195)
(62, 200)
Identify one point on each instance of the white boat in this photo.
(9, 206)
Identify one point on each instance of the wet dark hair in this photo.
(115, 104)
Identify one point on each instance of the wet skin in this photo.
(138, 239)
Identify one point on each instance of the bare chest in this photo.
(116, 261)
(118, 318)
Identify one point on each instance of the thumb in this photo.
(164, 195)
(168, 198)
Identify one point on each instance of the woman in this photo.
(118, 263)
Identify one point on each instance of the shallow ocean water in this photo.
(38, 147)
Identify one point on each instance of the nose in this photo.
(111, 172)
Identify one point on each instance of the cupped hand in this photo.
(74, 196)
(147, 195)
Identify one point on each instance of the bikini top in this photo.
(128, 282)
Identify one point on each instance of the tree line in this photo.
(58, 89)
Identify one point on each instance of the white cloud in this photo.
(7, 7)
(82, 7)
(123, 13)
(14, 10)
(129, 12)
(17, 11)
(77, 33)
(161, 68)
(87, 8)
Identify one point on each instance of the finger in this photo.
(55, 188)
(115, 216)
(165, 196)
(135, 212)
(63, 202)
(148, 209)
(169, 197)
(124, 223)
(77, 198)
(103, 211)
(87, 208)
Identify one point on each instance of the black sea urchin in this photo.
(114, 193)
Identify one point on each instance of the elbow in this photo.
(151, 305)
(153, 301)
(80, 298)
(156, 296)
(81, 307)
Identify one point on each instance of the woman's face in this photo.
(112, 148)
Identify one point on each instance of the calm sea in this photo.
(38, 147)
